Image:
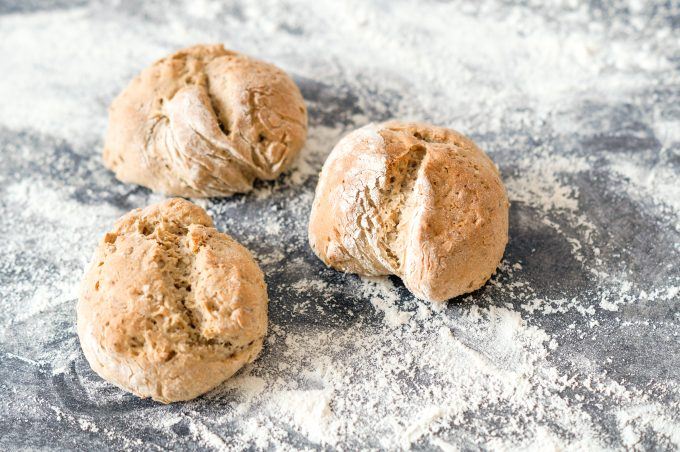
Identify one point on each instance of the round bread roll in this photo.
(413, 200)
(205, 121)
(170, 307)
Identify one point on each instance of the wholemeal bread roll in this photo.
(205, 121)
(414, 200)
(170, 307)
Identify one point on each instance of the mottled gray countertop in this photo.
(574, 344)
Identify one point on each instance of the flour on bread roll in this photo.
(170, 307)
(413, 200)
(205, 121)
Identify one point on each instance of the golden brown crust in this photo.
(205, 121)
(414, 200)
(170, 307)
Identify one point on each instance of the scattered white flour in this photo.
(556, 353)
(383, 296)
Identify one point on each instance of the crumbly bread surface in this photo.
(414, 200)
(170, 307)
(205, 121)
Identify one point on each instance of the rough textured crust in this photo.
(170, 307)
(414, 200)
(205, 121)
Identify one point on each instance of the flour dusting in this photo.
(572, 345)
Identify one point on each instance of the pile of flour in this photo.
(573, 343)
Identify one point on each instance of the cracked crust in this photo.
(170, 307)
(414, 200)
(205, 121)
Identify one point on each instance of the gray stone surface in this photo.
(592, 172)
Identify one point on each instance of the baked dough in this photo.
(414, 200)
(205, 121)
(170, 307)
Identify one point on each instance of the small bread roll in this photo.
(413, 200)
(205, 121)
(170, 307)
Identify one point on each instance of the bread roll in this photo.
(170, 307)
(413, 200)
(205, 121)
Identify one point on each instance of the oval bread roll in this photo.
(413, 200)
(170, 307)
(205, 121)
